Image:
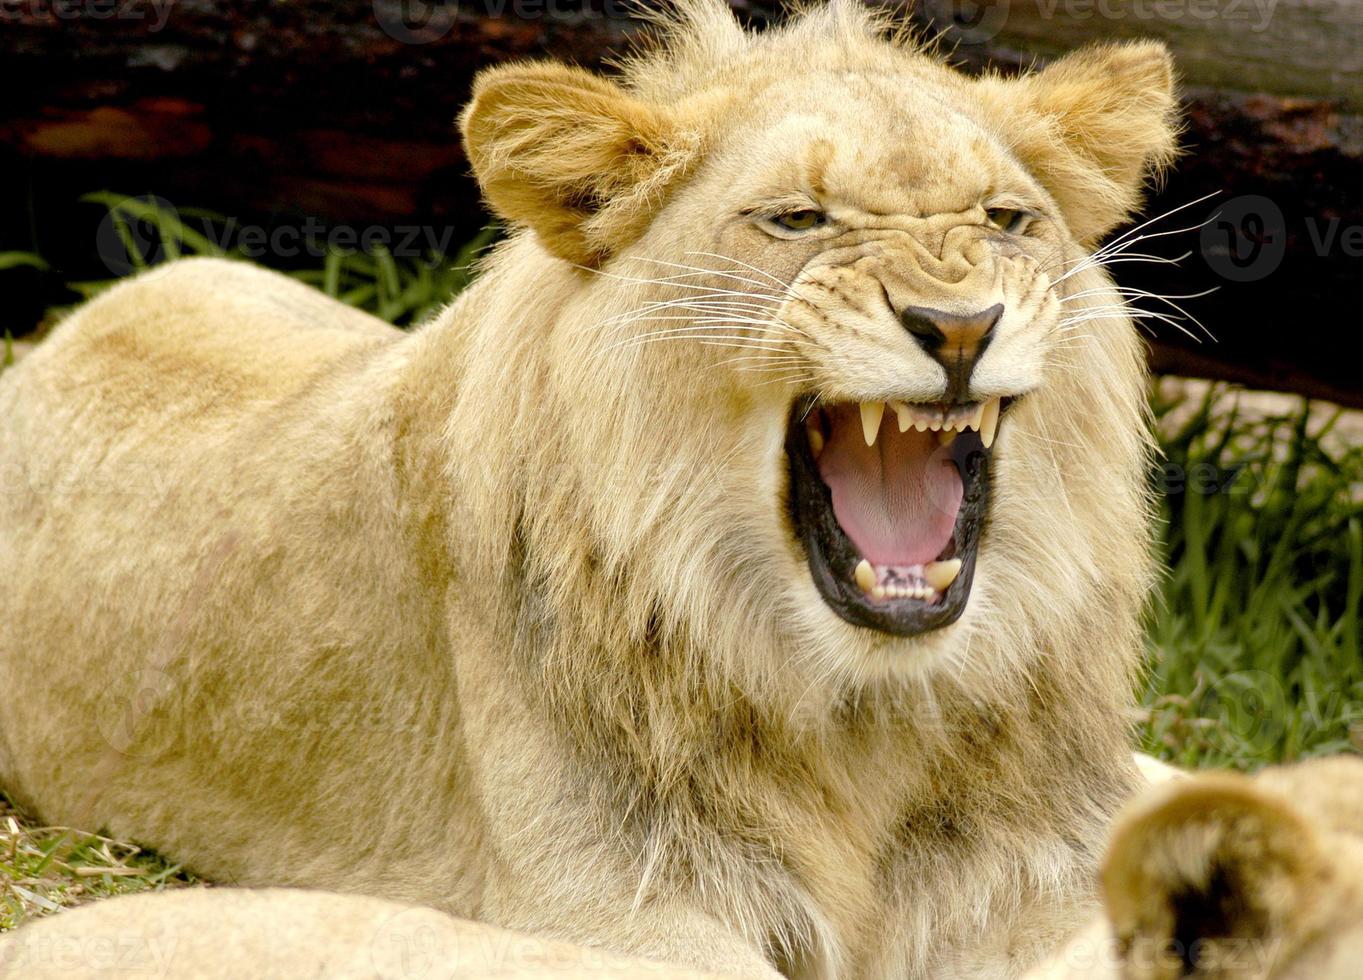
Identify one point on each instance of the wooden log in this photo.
(1305, 48)
(345, 112)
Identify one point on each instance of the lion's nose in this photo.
(955, 341)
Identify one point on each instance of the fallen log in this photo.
(345, 112)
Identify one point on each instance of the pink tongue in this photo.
(896, 500)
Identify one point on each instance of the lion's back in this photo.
(156, 423)
(200, 335)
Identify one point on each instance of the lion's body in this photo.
(262, 499)
(284, 934)
(479, 618)
(210, 726)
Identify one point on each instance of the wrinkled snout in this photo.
(955, 341)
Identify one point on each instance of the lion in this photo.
(1219, 876)
(745, 572)
(1227, 877)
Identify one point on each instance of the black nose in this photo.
(955, 341)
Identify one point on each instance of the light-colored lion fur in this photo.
(505, 616)
(1224, 877)
(288, 934)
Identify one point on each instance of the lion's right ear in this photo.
(572, 155)
(1207, 862)
(1094, 126)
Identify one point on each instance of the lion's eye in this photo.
(799, 220)
(1011, 220)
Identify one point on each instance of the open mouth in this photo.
(889, 501)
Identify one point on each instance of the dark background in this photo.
(270, 112)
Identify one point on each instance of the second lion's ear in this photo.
(1200, 865)
(572, 155)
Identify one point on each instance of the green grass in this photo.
(1256, 654)
(44, 869)
(401, 291)
(1255, 643)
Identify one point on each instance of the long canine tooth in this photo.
(865, 576)
(871, 414)
(815, 442)
(989, 422)
(940, 574)
(902, 414)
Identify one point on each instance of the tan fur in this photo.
(236, 933)
(506, 616)
(1224, 877)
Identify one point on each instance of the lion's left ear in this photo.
(573, 155)
(1094, 127)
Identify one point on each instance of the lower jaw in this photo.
(833, 559)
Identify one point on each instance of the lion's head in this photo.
(806, 350)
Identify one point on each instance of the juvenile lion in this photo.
(614, 604)
(1224, 877)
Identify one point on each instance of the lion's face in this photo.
(908, 284)
(856, 287)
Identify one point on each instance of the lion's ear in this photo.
(1094, 127)
(572, 155)
(1209, 860)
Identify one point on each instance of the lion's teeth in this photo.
(815, 441)
(989, 422)
(946, 437)
(940, 574)
(865, 576)
(871, 414)
(985, 420)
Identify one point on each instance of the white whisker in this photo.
(746, 265)
(693, 271)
